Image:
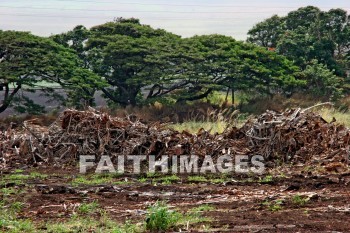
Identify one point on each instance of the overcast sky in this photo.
(183, 17)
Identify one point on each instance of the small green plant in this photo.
(266, 179)
(87, 208)
(299, 201)
(161, 218)
(273, 205)
(142, 179)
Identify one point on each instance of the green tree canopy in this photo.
(307, 34)
(27, 60)
(140, 63)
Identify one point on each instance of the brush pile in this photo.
(93, 133)
(296, 136)
(300, 136)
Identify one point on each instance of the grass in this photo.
(299, 201)
(96, 179)
(214, 180)
(194, 126)
(203, 208)
(18, 178)
(11, 224)
(267, 179)
(273, 205)
(89, 217)
(88, 208)
(8, 218)
(197, 179)
(168, 179)
(8, 191)
(218, 98)
(37, 175)
(160, 218)
(342, 117)
(104, 224)
(143, 180)
(81, 222)
(17, 206)
(159, 178)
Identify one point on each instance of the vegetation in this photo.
(196, 126)
(311, 37)
(87, 208)
(203, 208)
(160, 218)
(27, 60)
(134, 64)
(299, 201)
(95, 179)
(275, 205)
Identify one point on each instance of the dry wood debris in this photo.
(296, 136)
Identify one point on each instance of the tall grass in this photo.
(195, 126)
(215, 121)
(342, 117)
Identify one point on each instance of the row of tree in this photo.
(135, 64)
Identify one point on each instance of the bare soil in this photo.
(240, 205)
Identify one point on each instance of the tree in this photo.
(142, 64)
(267, 33)
(307, 34)
(27, 61)
(227, 63)
(302, 19)
(76, 40)
(321, 82)
(131, 57)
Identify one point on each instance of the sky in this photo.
(183, 17)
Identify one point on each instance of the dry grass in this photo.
(341, 117)
(195, 126)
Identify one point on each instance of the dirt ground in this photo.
(239, 204)
(305, 188)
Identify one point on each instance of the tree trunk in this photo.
(8, 97)
(233, 96)
(227, 92)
